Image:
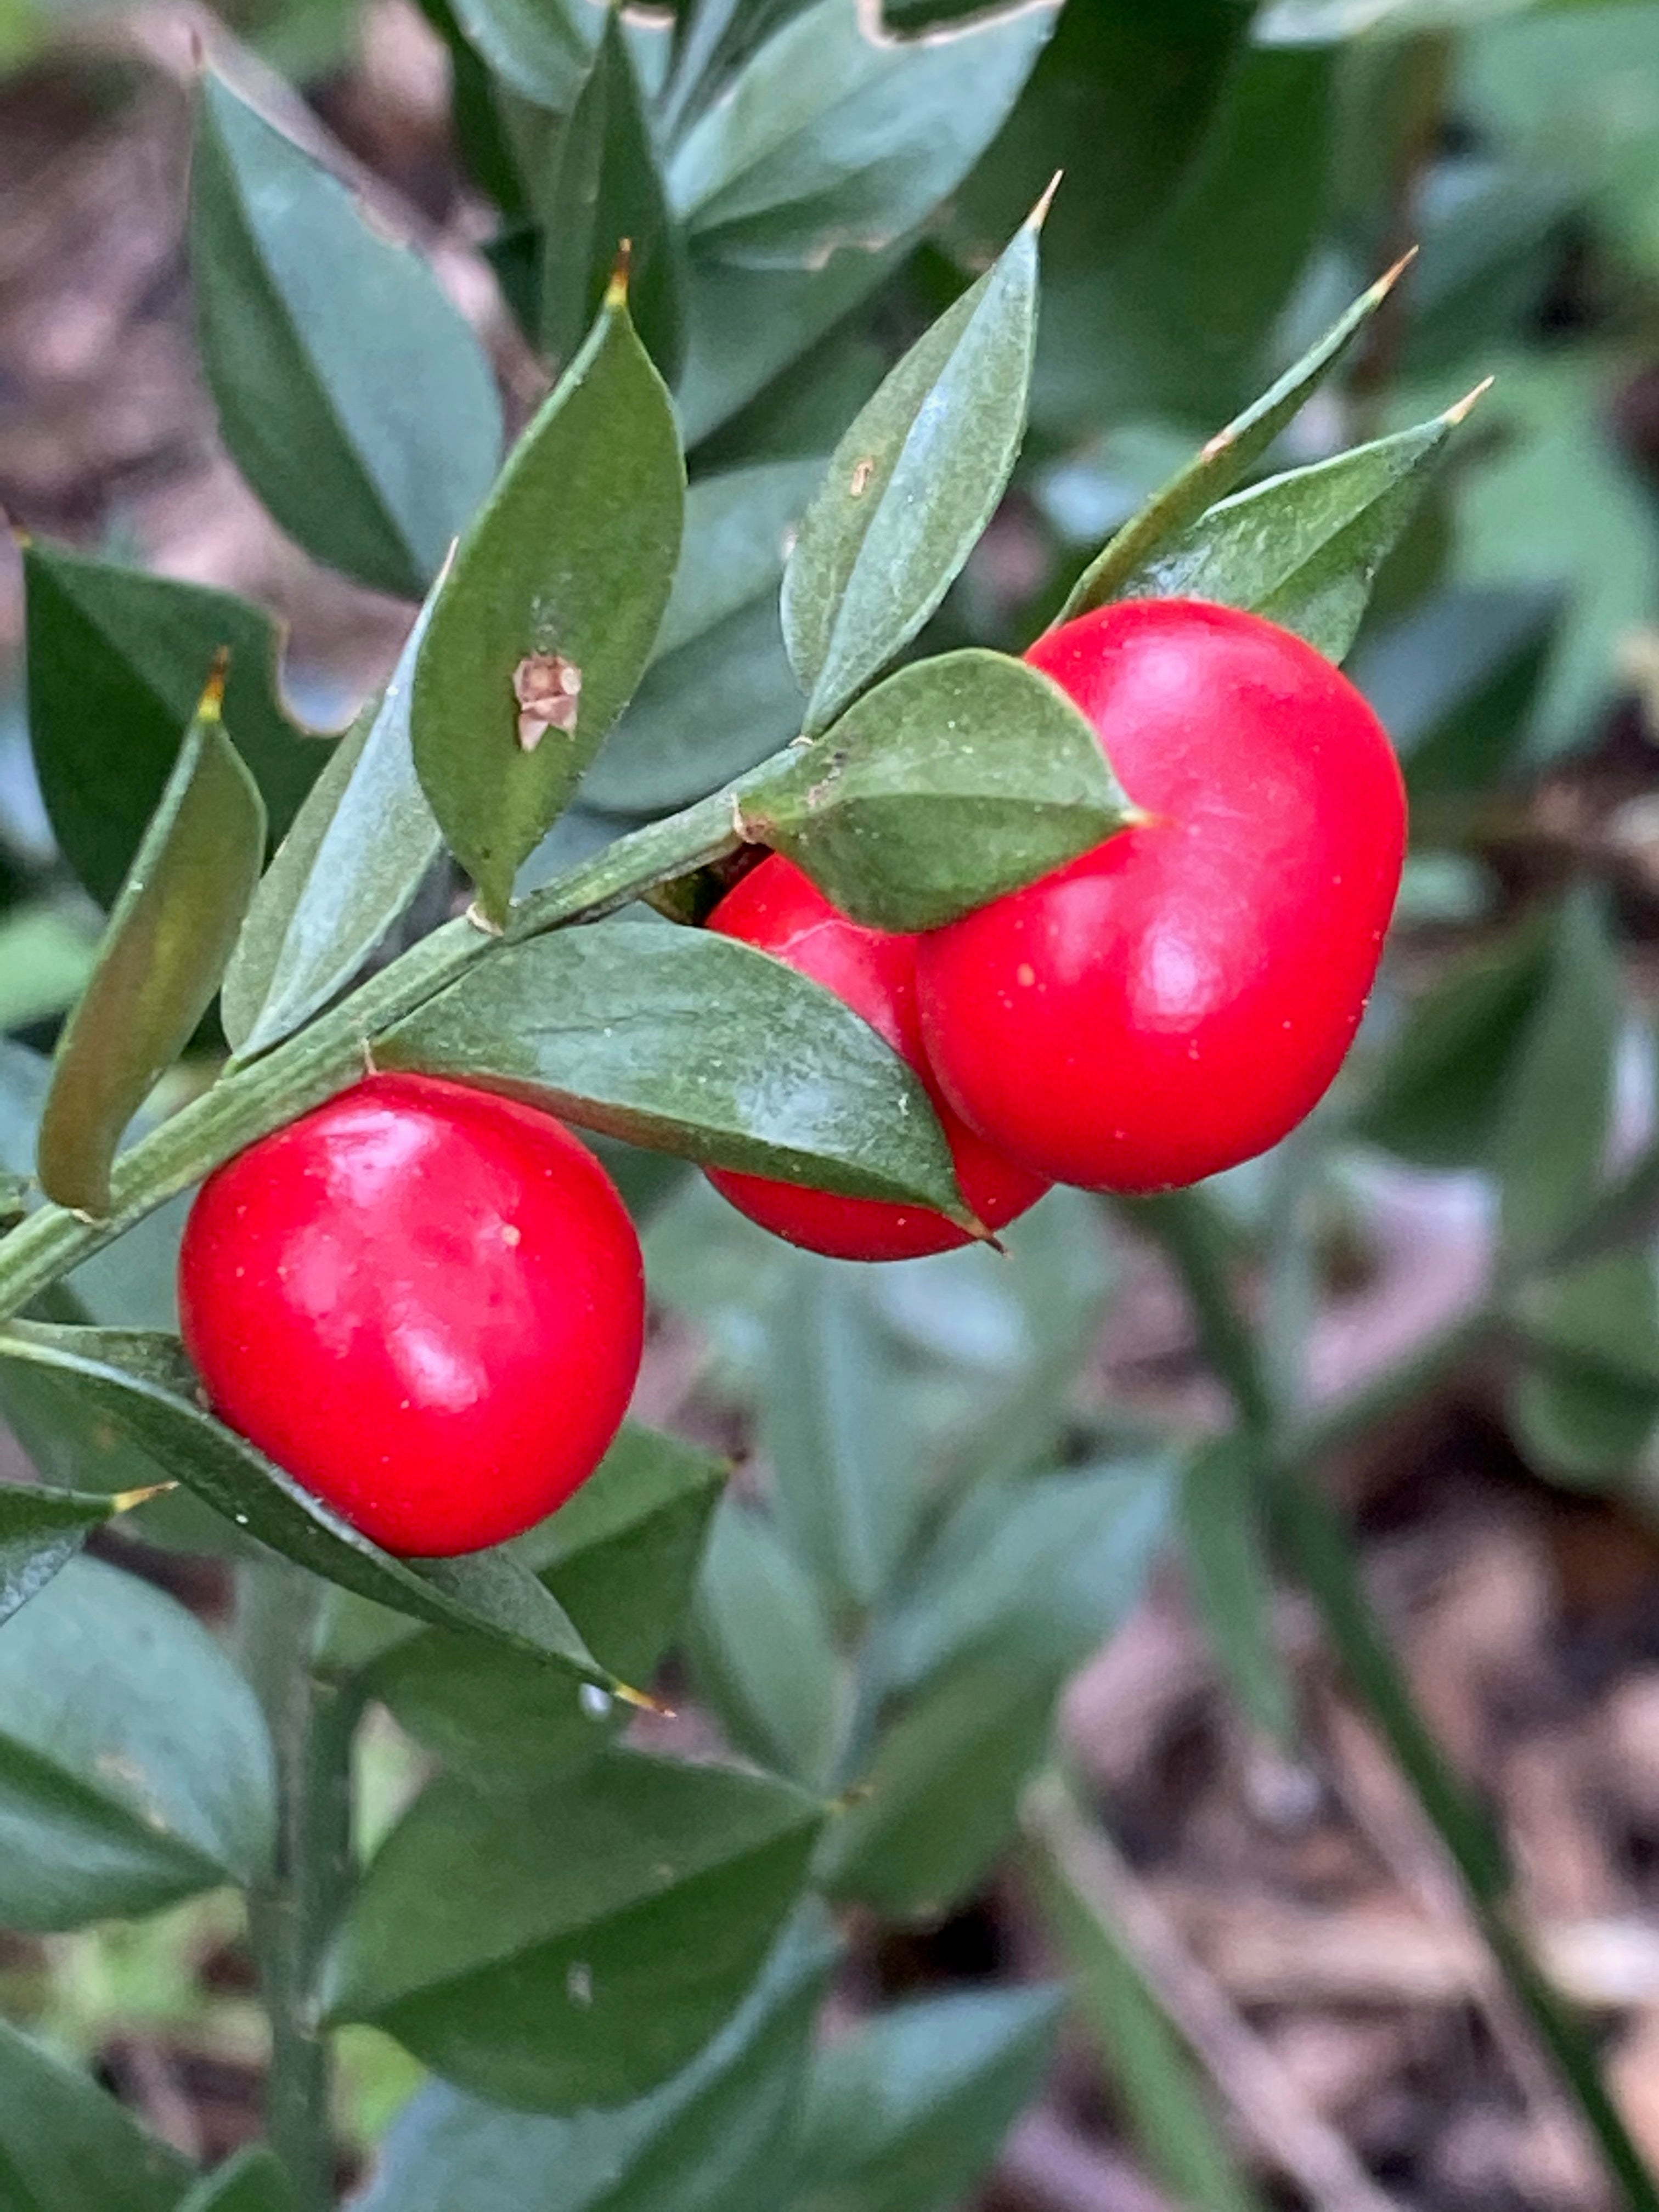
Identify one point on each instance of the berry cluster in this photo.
(426, 1302)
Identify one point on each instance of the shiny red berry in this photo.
(1175, 1000)
(779, 910)
(424, 1300)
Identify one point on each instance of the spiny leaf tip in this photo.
(1467, 404)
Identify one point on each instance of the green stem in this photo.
(250, 1101)
(1313, 1535)
(293, 1911)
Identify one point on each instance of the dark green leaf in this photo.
(1168, 2104)
(1551, 1142)
(1046, 1568)
(911, 486)
(938, 1801)
(562, 579)
(837, 1422)
(1219, 464)
(134, 1763)
(836, 128)
(906, 2113)
(541, 48)
(1437, 1096)
(144, 1386)
(353, 397)
(689, 1042)
(1176, 321)
(67, 2146)
(1581, 1425)
(253, 2181)
(714, 2138)
(352, 861)
(1232, 1585)
(1302, 549)
(1602, 1316)
(748, 324)
(761, 1650)
(627, 1908)
(621, 1558)
(40, 1531)
(170, 935)
(115, 664)
(957, 780)
(605, 187)
(1453, 681)
(719, 695)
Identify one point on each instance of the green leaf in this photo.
(938, 1801)
(906, 2113)
(1438, 1094)
(1603, 1315)
(564, 576)
(170, 935)
(134, 1763)
(621, 1558)
(45, 958)
(628, 1908)
(957, 780)
(605, 187)
(115, 664)
(40, 1531)
(1177, 319)
(1169, 2105)
(719, 695)
(1302, 549)
(835, 128)
(1580, 1424)
(252, 2181)
(1454, 681)
(912, 485)
(689, 1042)
(68, 2146)
(355, 857)
(144, 1386)
(761, 1652)
(541, 48)
(836, 1422)
(747, 326)
(1218, 465)
(1227, 1571)
(353, 397)
(716, 2137)
(1045, 1569)
(1550, 1146)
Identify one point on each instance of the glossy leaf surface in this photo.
(117, 661)
(353, 396)
(911, 486)
(565, 574)
(134, 1763)
(688, 1042)
(629, 1908)
(351, 864)
(170, 935)
(957, 780)
(40, 1531)
(145, 1389)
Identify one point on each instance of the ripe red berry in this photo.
(424, 1300)
(778, 908)
(1175, 1000)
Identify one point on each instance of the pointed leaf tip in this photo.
(1386, 283)
(1466, 406)
(210, 706)
(1039, 213)
(616, 292)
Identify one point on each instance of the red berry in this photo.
(425, 1302)
(778, 908)
(1175, 1000)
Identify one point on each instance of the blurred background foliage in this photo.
(961, 1475)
